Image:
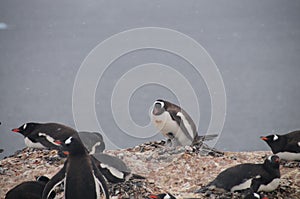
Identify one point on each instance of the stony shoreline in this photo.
(179, 172)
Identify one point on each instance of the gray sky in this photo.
(255, 45)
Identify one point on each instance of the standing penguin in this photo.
(80, 174)
(175, 124)
(287, 146)
(257, 177)
(29, 190)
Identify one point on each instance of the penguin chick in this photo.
(80, 174)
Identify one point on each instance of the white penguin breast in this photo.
(271, 186)
(98, 186)
(242, 186)
(31, 144)
(288, 156)
(166, 124)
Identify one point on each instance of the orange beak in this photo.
(153, 196)
(66, 152)
(16, 130)
(58, 142)
(264, 138)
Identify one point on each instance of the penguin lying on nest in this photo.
(30, 190)
(114, 169)
(256, 177)
(286, 146)
(43, 135)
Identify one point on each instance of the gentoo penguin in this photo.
(175, 124)
(287, 146)
(29, 190)
(42, 135)
(257, 177)
(162, 196)
(80, 174)
(93, 141)
(113, 168)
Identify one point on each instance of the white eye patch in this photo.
(68, 141)
(24, 126)
(270, 158)
(275, 138)
(162, 104)
(256, 195)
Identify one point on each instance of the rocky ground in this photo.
(178, 171)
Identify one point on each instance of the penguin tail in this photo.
(136, 176)
(132, 176)
(201, 138)
(202, 190)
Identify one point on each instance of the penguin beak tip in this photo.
(58, 142)
(16, 130)
(263, 138)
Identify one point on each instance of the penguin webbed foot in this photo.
(205, 150)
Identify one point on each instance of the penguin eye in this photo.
(68, 141)
(24, 126)
(275, 137)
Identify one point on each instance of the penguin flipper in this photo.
(206, 137)
(293, 146)
(180, 123)
(256, 182)
(54, 181)
(100, 180)
(136, 176)
(41, 138)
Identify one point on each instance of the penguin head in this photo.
(274, 141)
(159, 107)
(162, 196)
(271, 138)
(254, 196)
(71, 145)
(272, 161)
(26, 128)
